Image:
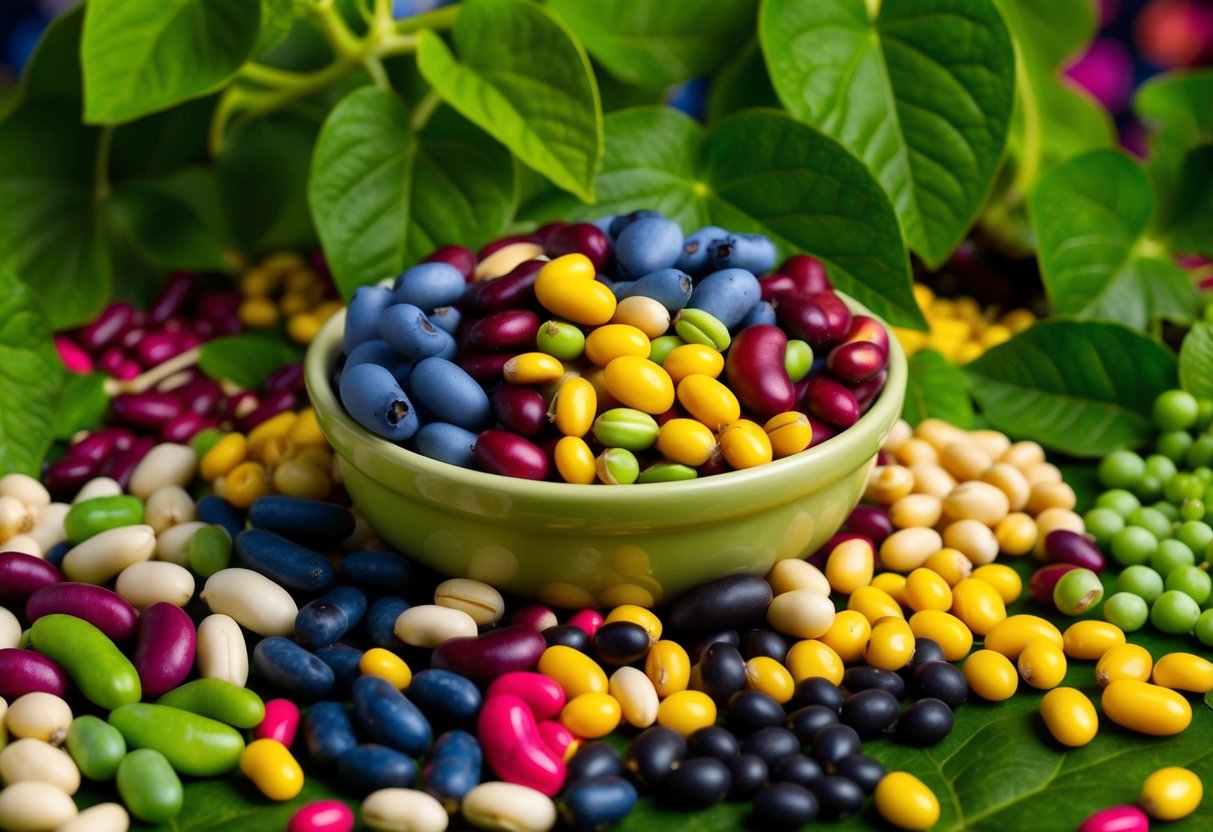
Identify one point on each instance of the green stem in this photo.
(424, 109)
(374, 68)
(101, 165)
(343, 41)
(436, 20)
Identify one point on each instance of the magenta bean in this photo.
(544, 232)
(1040, 586)
(808, 272)
(511, 329)
(100, 443)
(883, 458)
(556, 737)
(484, 366)
(190, 339)
(805, 318)
(158, 347)
(831, 402)
(122, 464)
(22, 575)
(588, 619)
(856, 361)
(182, 429)
(866, 328)
(286, 377)
(202, 394)
(1064, 546)
(110, 325)
(501, 452)
(542, 694)
(822, 554)
(67, 474)
(145, 410)
(463, 259)
(821, 432)
(865, 392)
(205, 329)
(280, 723)
(111, 360)
(489, 248)
(582, 238)
(513, 747)
(322, 816)
(506, 292)
(271, 405)
(73, 357)
(172, 298)
(756, 372)
(226, 325)
(25, 671)
(164, 647)
(870, 521)
(128, 370)
(131, 338)
(217, 303)
(1116, 819)
(105, 609)
(535, 616)
(240, 405)
(520, 409)
(483, 658)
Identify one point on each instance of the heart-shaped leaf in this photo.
(31, 376)
(1191, 229)
(245, 360)
(922, 92)
(936, 389)
(166, 230)
(1177, 108)
(1196, 360)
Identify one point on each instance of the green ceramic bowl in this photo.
(586, 545)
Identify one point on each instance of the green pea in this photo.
(1175, 445)
(1077, 591)
(149, 787)
(218, 699)
(100, 514)
(105, 676)
(560, 339)
(624, 427)
(209, 550)
(798, 360)
(96, 746)
(698, 327)
(204, 440)
(662, 347)
(1195, 534)
(617, 466)
(667, 472)
(194, 745)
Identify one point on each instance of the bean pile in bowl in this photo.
(475, 396)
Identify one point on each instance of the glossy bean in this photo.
(272, 768)
(727, 295)
(429, 285)
(429, 625)
(149, 787)
(513, 748)
(194, 744)
(32, 759)
(302, 518)
(374, 399)
(221, 651)
(101, 607)
(168, 506)
(322, 816)
(252, 600)
(370, 766)
(446, 698)
(24, 671)
(99, 514)
(288, 564)
(1145, 708)
(328, 730)
(150, 582)
(35, 807)
(388, 717)
(326, 619)
(164, 647)
(733, 601)
(403, 810)
(221, 700)
(102, 556)
(285, 664)
(166, 464)
(756, 371)
(96, 746)
(484, 657)
(100, 671)
(381, 571)
(506, 453)
(479, 600)
(279, 717)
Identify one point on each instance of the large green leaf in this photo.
(383, 196)
(166, 230)
(740, 85)
(525, 80)
(758, 171)
(1080, 387)
(1177, 108)
(30, 379)
(245, 360)
(656, 42)
(1196, 360)
(142, 57)
(1090, 217)
(278, 17)
(923, 93)
(936, 388)
(1191, 228)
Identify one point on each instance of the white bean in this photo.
(794, 573)
(428, 625)
(98, 487)
(172, 544)
(403, 810)
(34, 807)
(222, 653)
(150, 581)
(29, 759)
(104, 817)
(15, 517)
(636, 695)
(165, 464)
(479, 600)
(253, 600)
(10, 629)
(802, 613)
(49, 530)
(508, 807)
(40, 716)
(24, 543)
(26, 489)
(168, 506)
(104, 555)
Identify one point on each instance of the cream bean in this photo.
(508, 807)
(428, 625)
(802, 613)
(932, 479)
(973, 539)
(916, 510)
(253, 600)
(222, 653)
(150, 581)
(15, 518)
(363, 536)
(10, 629)
(793, 573)
(914, 451)
(104, 817)
(1023, 455)
(888, 484)
(173, 543)
(34, 807)
(167, 506)
(104, 555)
(479, 600)
(28, 490)
(505, 259)
(24, 543)
(1042, 472)
(49, 530)
(976, 500)
(939, 433)
(403, 810)
(1010, 481)
(1045, 495)
(40, 716)
(993, 442)
(3, 723)
(97, 487)
(166, 464)
(908, 549)
(899, 434)
(636, 696)
(964, 460)
(30, 759)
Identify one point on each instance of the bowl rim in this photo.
(829, 458)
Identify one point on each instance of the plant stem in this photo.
(374, 68)
(424, 109)
(437, 20)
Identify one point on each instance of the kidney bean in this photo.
(513, 747)
(271, 405)
(240, 405)
(484, 657)
(536, 616)
(831, 402)
(171, 299)
(808, 272)
(866, 391)
(502, 242)
(556, 737)
(165, 641)
(774, 286)
(25, 671)
(542, 694)
(856, 361)
(502, 452)
(872, 522)
(183, 428)
(579, 237)
(484, 366)
(158, 347)
(805, 318)
(1044, 579)
(510, 329)
(123, 464)
(506, 292)
(389, 718)
(102, 442)
(21, 575)
(1116, 819)
(755, 369)
(286, 377)
(201, 394)
(867, 329)
(462, 258)
(75, 359)
(103, 608)
(111, 360)
(215, 303)
(588, 619)
(1064, 546)
(729, 602)
(110, 325)
(68, 473)
(520, 409)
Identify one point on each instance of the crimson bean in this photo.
(856, 361)
(489, 248)
(68, 473)
(171, 299)
(158, 347)
(520, 409)
(866, 391)
(22, 575)
(463, 259)
(582, 238)
(182, 429)
(202, 394)
(147, 410)
(111, 324)
(501, 452)
(588, 619)
(544, 232)
(25, 671)
(483, 658)
(808, 272)
(831, 402)
(821, 431)
(1064, 546)
(165, 641)
(111, 360)
(97, 445)
(510, 329)
(286, 377)
(216, 303)
(189, 339)
(867, 328)
(774, 285)
(484, 366)
(271, 405)
(837, 313)
(105, 609)
(1040, 586)
(756, 372)
(240, 405)
(228, 324)
(870, 521)
(535, 616)
(805, 318)
(506, 292)
(123, 463)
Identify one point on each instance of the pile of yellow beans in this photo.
(283, 287)
(959, 328)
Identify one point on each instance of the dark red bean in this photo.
(838, 314)
(725, 603)
(870, 521)
(96, 446)
(182, 429)
(105, 609)
(110, 325)
(506, 292)
(203, 395)
(24, 671)
(271, 405)
(865, 328)
(171, 299)
(22, 575)
(131, 338)
(158, 347)
(821, 432)
(218, 303)
(123, 463)
(286, 377)
(714, 465)
(205, 329)
(775, 285)
(511, 329)
(544, 232)
(520, 409)
(128, 370)
(240, 405)
(808, 272)
(65, 475)
(111, 360)
(484, 366)
(165, 642)
(805, 318)
(189, 339)
(856, 361)
(1040, 586)
(226, 325)
(582, 238)
(675, 412)
(502, 452)
(463, 259)
(867, 391)
(1063, 546)
(535, 616)
(489, 248)
(485, 657)
(831, 402)
(756, 371)
(147, 410)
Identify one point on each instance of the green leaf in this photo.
(166, 230)
(384, 196)
(1192, 228)
(31, 376)
(741, 85)
(656, 42)
(163, 142)
(1177, 108)
(1196, 360)
(1090, 217)
(278, 17)
(1080, 387)
(758, 171)
(245, 360)
(923, 93)
(527, 82)
(82, 404)
(142, 57)
(619, 95)
(54, 67)
(936, 388)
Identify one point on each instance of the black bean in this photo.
(870, 712)
(697, 782)
(784, 806)
(834, 742)
(621, 642)
(925, 722)
(807, 721)
(866, 772)
(568, 636)
(750, 710)
(653, 754)
(771, 744)
(729, 602)
(723, 672)
(943, 681)
(749, 772)
(837, 797)
(593, 760)
(713, 741)
(764, 643)
(699, 647)
(866, 678)
(817, 690)
(797, 768)
(926, 650)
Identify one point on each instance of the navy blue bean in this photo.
(362, 316)
(285, 562)
(343, 660)
(376, 571)
(429, 286)
(447, 317)
(616, 224)
(329, 617)
(727, 294)
(598, 802)
(328, 731)
(381, 621)
(647, 245)
(453, 769)
(284, 663)
(55, 554)
(760, 313)
(446, 698)
(593, 760)
(752, 252)
(389, 718)
(669, 287)
(299, 517)
(375, 400)
(370, 767)
(446, 390)
(694, 255)
(377, 351)
(409, 332)
(447, 443)
(217, 511)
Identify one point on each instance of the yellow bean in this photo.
(1069, 716)
(272, 768)
(1145, 708)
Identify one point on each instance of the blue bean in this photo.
(670, 287)
(694, 256)
(285, 562)
(647, 245)
(299, 517)
(328, 731)
(217, 511)
(446, 390)
(752, 252)
(447, 317)
(378, 352)
(447, 443)
(454, 768)
(598, 802)
(381, 621)
(376, 571)
(593, 760)
(370, 767)
(727, 294)
(617, 224)
(446, 698)
(389, 718)
(373, 397)
(56, 553)
(326, 619)
(343, 661)
(409, 332)
(760, 313)
(362, 317)
(284, 663)
(429, 286)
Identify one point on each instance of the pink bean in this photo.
(110, 325)
(506, 292)
(489, 248)
(145, 410)
(756, 372)
(502, 452)
(483, 658)
(73, 357)
(588, 619)
(172, 298)
(1044, 579)
(280, 723)
(165, 640)
(535, 616)
(831, 402)
(121, 465)
(105, 609)
(111, 360)
(322, 816)
(557, 738)
(808, 272)
(22, 575)
(513, 747)
(511, 329)
(520, 409)
(463, 259)
(582, 238)
(542, 694)
(24, 671)
(856, 361)
(1116, 819)
(1064, 546)
(271, 405)
(127, 370)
